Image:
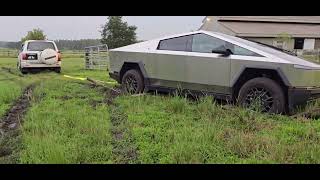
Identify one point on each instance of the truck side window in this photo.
(206, 44)
(237, 50)
(182, 43)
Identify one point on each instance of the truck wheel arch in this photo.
(248, 73)
(134, 65)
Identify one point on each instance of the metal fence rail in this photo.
(313, 55)
(96, 57)
(9, 53)
(13, 53)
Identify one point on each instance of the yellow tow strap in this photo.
(83, 79)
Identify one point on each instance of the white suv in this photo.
(38, 55)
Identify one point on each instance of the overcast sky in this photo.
(12, 28)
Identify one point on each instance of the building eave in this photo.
(274, 35)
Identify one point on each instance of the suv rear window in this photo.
(40, 46)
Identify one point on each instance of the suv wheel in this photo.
(132, 82)
(262, 94)
(57, 70)
(23, 71)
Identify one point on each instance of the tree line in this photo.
(115, 33)
(77, 44)
(62, 44)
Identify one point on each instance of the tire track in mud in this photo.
(124, 148)
(11, 121)
(5, 71)
(10, 71)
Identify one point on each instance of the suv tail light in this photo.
(59, 56)
(24, 56)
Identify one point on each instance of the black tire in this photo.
(57, 70)
(262, 94)
(132, 82)
(23, 71)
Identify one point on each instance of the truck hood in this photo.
(297, 61)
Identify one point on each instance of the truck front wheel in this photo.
(262, 94)
(132, 82)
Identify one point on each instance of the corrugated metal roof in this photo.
(254, 29)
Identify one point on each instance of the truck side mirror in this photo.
(223, 51)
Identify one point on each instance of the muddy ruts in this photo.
(11, 71)
(10, 139)
(124, 149)
(13, 117)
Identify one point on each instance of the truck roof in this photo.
(272, 54)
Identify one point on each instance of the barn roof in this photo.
(254, 29)
(267, 26)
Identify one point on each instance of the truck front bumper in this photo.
(115, 76)
(300, 96)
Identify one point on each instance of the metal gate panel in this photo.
(97, 57)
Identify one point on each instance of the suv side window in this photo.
(182, 43)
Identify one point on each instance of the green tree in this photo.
(116, 33)
(35, 34)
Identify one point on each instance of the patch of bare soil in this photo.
(124, 148)
(309, 114)
(11, 121)
(14, 115)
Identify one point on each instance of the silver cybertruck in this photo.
(224, 66)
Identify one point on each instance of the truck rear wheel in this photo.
(262, 94)
(132, 82)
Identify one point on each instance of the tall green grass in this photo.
(65, 125)
(70, 123)
(176, 130)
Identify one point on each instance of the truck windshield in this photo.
(40, 46)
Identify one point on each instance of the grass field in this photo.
(70, 121)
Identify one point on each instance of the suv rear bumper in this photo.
(39, 65)
(300, 96)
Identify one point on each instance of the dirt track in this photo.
(9, 70)
(12, 119)
(10, 123)
(123, 144)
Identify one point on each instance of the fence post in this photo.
(86, 59)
